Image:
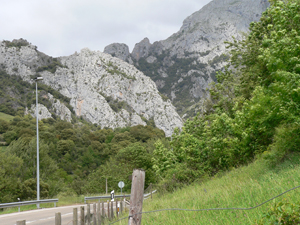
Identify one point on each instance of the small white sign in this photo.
(121, 184)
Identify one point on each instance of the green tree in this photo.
(10, 183)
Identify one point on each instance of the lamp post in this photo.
(37, 145)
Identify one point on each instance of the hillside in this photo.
(184, 65)
(101, 89)
(244, 187)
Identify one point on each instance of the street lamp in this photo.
(37, 144)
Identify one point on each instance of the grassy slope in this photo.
(5, 117)
(244, 187)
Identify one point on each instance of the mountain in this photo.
(183, 65)
(102, 89)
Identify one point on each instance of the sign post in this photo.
(121, 185)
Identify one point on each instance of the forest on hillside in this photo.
(75, 159)
(253, 113)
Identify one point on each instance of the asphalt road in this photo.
(42, 216)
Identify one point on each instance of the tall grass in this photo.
(244, 187)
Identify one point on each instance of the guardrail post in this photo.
(58, 218)
(22, 222)
(75, 217)
(136, 197)
(82, 221)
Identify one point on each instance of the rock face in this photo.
(118, 50)
(183, 65)
(58, 108)
(103, 89)
(42, 111)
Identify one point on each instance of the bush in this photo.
(281, 213)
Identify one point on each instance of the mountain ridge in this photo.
(91, 79)
(184, 64)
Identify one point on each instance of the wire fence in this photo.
(210, 209)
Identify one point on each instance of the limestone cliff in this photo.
(184, 64)
(103, 89)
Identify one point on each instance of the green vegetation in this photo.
(75, 159)
(253, 116)
(5, 117)
(255, 106)
(244, 187)
(16, 43)
(254, 111)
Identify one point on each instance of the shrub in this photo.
(281, 213)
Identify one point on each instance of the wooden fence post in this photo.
(103, 210)
(121, 205)
(21, 222)
(82, 220)
(75, 217)
(58, 218)
(88, 214)
(94, 214)
(136, 197)
(99, 213)
(108, 211)
(112, 210)
(117, 209)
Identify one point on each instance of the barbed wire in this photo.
(210, 209)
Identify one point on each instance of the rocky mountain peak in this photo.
(141, 49)
(118, 50)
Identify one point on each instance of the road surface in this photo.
(42, 216)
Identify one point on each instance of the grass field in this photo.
(5, 117)
(244, 187)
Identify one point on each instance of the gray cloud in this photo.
(61, 27)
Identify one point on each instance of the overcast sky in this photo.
(61, 27)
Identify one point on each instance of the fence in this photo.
(100, 213)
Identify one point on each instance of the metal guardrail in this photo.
(147, 195)
(18, 204)
(109, 196)
(104, 197)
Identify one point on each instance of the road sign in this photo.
(121, 184)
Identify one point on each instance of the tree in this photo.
(10, 167)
